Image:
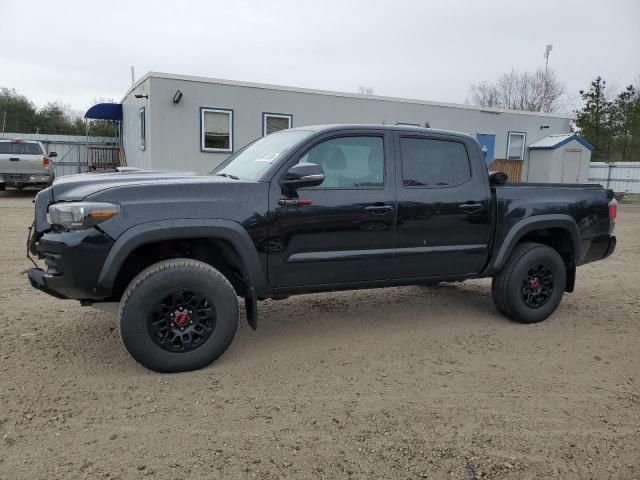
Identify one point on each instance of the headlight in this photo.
(80, 215)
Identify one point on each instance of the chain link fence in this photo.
(72, 150)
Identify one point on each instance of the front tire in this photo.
(178, 315)
(531, 284)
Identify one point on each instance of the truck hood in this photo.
(78, 187)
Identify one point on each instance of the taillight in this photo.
(613, 209)
(613, 213)
(45, 161)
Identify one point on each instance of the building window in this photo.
(515, 145)
(216, 130)
(274, 122)
(433, 163)
(143, 129)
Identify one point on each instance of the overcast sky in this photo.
(76, 51)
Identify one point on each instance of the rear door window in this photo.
(433, 163)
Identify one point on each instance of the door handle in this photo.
(471, 207)
(14, 159)
(379, 209)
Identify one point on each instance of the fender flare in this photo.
(173, 229)
(529, 224)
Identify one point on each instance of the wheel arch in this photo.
(227, 231)
(557, 230)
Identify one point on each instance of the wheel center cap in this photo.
(534, 283)
(181, 318)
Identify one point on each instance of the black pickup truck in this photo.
(307, 210)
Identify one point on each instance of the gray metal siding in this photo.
(173, 133)
(136, 157)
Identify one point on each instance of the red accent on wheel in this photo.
(181, 318)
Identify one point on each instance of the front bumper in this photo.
(73, 261)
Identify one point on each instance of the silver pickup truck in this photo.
(24, 163)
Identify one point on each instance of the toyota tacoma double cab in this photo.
(311, 209)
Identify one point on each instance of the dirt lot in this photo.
(410, 382)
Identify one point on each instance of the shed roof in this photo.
(555, 141)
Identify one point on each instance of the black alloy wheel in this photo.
(182, 321)
(537, 286)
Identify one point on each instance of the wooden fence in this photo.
(104, 157)
(513, 168)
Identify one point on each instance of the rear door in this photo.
(443, 219)
(342, 230)
(20, 157)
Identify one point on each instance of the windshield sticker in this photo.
(266, 157)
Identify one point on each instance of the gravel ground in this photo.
(410, 382)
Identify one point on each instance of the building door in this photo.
(443, 222)
(571, 166)
(488, 142)
(342, 230)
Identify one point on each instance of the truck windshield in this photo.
(255, 159)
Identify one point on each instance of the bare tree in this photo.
(362, 90)
(538, 91)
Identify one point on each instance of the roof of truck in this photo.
(378, 126)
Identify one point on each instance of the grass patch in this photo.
(631, 198)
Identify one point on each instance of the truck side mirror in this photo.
(498, 178)
(53, 154)
(303, 175)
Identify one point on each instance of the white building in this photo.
(194, 123)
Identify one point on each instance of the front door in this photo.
(342, 230)
(571, 166)
(443, 221)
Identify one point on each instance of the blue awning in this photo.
(105, 111)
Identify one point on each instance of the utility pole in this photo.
(4, 121)
(132, 76)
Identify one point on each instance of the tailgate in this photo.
(22, 163)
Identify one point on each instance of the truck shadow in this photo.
(352, 316)
(12, 193)
(314, 321)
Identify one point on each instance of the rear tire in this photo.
(178, 315)
(531, 284)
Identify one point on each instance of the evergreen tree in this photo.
(20, 115)
(17, 112)
(595, 119)
(626, 122)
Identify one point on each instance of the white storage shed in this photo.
(559, 159)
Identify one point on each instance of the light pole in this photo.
(547, 52)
